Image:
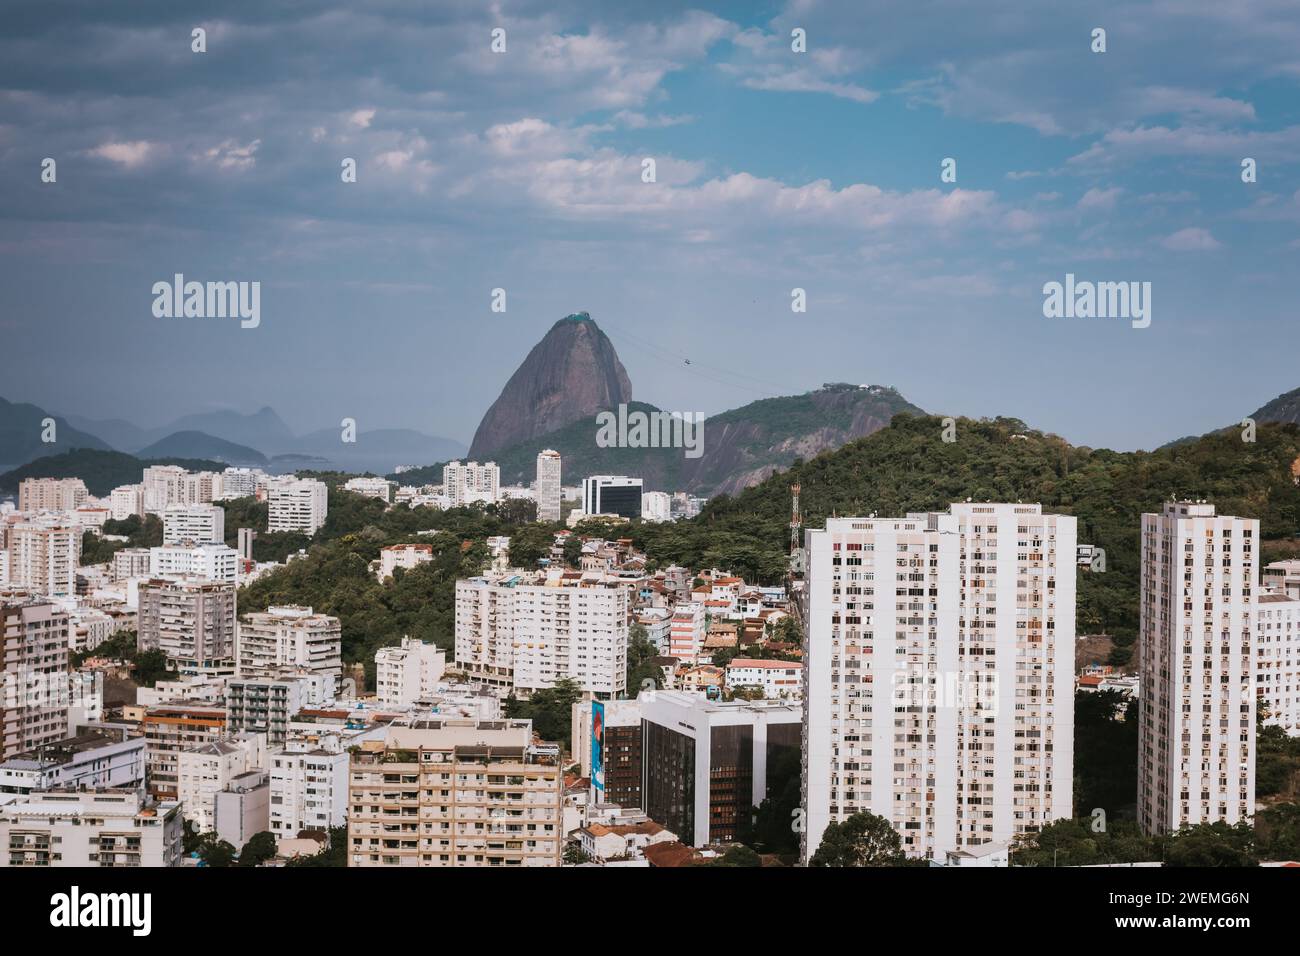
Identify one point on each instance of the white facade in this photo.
(90, 829)
(126, 501)
(34, 690)
(215, 562)
(289, 636)
(548, 485)
(405, 556)
(1277, 655)
(163, 486)
(1199, 602)
(194, 524)
(95, 759)
(204, 771)
(240, 483)
(514, 634)
(656, 506)
(371, 488)
(778, 680)
(44, 559)
(939, 666)
(408, 672)
(612, 494)
(300, 505)
(465, 482)
(309, 789)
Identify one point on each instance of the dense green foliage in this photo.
(1277, 763)
(1105, 753)
(141, 533)
(102, 471)
(259, 848)
(908, 467)
(551, 710)
(864, 839)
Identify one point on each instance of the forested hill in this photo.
(908, 467)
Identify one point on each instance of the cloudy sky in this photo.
(523, 170)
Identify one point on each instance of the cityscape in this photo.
(333, 537)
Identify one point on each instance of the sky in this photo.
(522, 170)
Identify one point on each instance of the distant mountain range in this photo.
(260, 439)
(22, 429)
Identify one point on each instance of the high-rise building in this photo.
(131, 563)
(705, 764)
(548, 485)
(126, 501)
(938, 676)
(205, 770)
(480, 793)
(525, 633)
(239, 482)
(163, 486)
(408, 672)
(465, 482)
(612, 495)
(34, 689)
(192, 621)
(686, 631)
(194, 524)
(300, 505)
(170, 729)
(1277, 655)
(1199, 605)
(51, 494)
(44, 558)
(289, 636)
(309, 788)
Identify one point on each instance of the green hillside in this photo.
(102, 471)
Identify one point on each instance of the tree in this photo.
(214, 852)
(530, 544)
(259, 848)
(738, 855)
(573, 551)
(550, 709)
(334, 854)
(1212, 844)
(864, 839)
(574, 854)
(150, 667)
(642, 672)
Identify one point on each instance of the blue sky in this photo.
(775, 170)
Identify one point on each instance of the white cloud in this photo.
(130, 154)
(1099, 199)
(1191, 239)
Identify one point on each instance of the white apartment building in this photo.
(656, 506)
(126, 501)
(1199, 605)
(686, 631)
(192, 621)
(267, 705)
(466, 482)
(1277, 657)
(90, 829)
(204, 771)
(131, 563)
(524, 632)
(34, 689)
(51, 494)
(44, 558)
(371, 487)
(938, 677)
(240, 482)
(405, 556)
(194, 524)
(215, 562)
(1283, 576)
(289, 636)
(778, 680)
(299, 505)
(466, 793)
(408, 673)
(163, 486)
(548, 486)
(309, 789)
